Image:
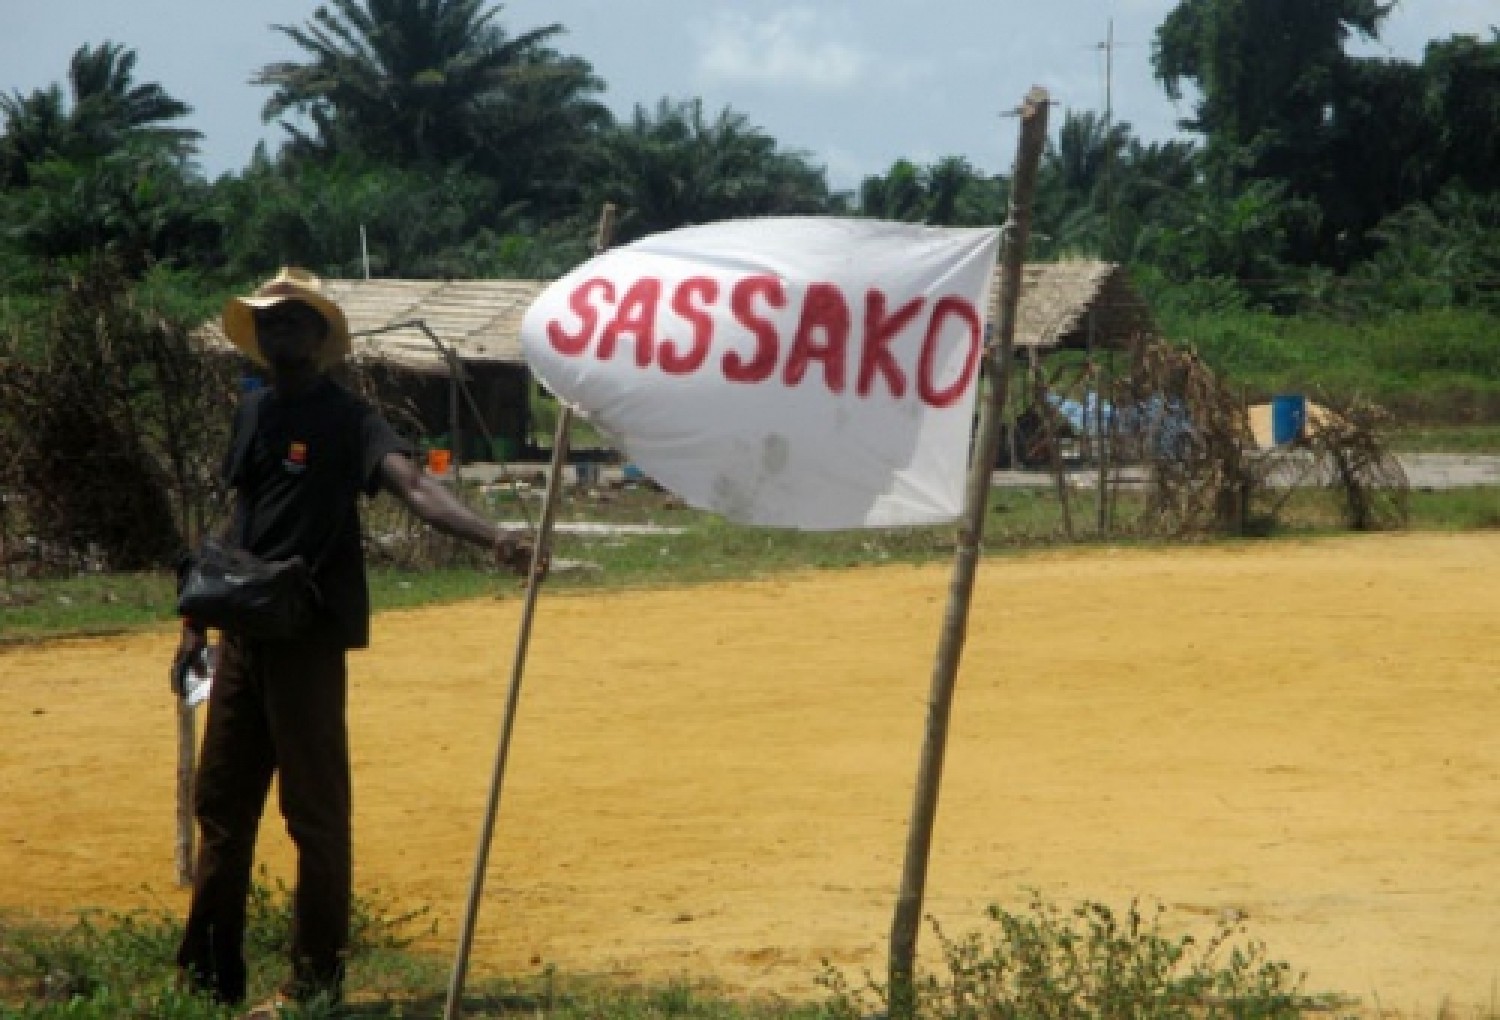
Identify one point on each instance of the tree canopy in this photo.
(675, 166)
(432, 83)
(459, 144)
(104, 110)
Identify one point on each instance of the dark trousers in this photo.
(275, 707)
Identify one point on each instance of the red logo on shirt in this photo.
(296, 458)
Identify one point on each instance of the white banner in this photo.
(814, 373)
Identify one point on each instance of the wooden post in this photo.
(1028, 397)
(451, 1010)
(1102, 431)
(1115, 456)
(908, 913)
(1054, 458)
(455, 438)
(187, 756)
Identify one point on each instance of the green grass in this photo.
(106, 966)
(1435, 366)
(86, 604)
(1469, 439)
(709, 549)
(1469, 509)
(1044, 961)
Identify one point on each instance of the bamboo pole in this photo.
(452, 1008)
(1102, 430)
(455, 437)
(1116, 439)
(908, 913)
(187, 755)
(1054, 459)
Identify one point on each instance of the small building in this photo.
(1089, 310)
(1076, 305)
(419, 339)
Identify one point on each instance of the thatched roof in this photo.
(481, 319)
(1076, 305)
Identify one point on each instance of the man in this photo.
(301, 452)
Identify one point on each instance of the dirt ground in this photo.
(717, 781)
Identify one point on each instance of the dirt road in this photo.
(717, 781)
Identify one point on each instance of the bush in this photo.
(1089, 964)
(113, 428)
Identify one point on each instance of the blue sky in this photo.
(854, 83)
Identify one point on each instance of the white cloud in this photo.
(787, 48)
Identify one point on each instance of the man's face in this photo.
(290, 333)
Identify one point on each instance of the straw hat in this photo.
(290, 284)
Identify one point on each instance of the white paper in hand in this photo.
(199, 680)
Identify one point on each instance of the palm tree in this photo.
(1087, 149)
(950, 192)
(108, 110)
(675, 167)
(36, 128)
(901, 194)
(412, 81)
(543, 133)
(959, 195)
(107, 106)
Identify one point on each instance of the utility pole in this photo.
(1109, 140)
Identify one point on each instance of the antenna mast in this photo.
(1109, 140)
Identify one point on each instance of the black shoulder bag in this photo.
(233, 590)
(230, 589)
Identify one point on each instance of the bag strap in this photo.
(242, 447)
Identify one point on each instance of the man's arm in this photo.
(434, 505)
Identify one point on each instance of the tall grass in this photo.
(1434, 366)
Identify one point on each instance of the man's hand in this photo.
(433, 504)
(190, 645)
(513, 552)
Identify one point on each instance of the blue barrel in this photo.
(1288, 417)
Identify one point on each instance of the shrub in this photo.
(1089, 963)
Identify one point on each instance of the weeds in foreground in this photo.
(1089, 963)
(108, 966)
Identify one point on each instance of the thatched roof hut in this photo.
(1072, 305)
(479, 320)
(394, 324)
(1076, 305)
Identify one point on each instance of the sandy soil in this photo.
(717, 781)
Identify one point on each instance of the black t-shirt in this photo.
(299, 476)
